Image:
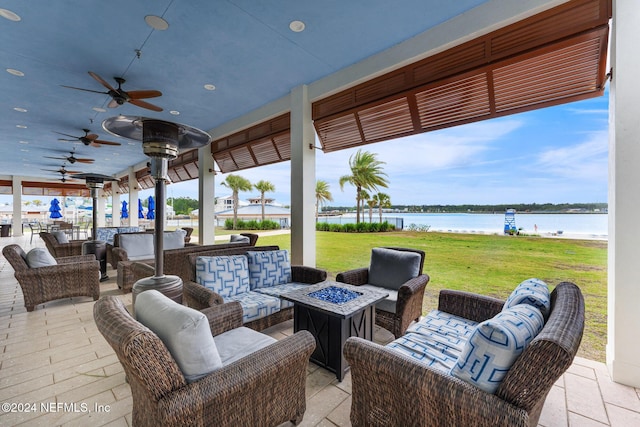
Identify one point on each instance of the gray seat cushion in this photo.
(387, 304)
(237, 343)
(391, 268)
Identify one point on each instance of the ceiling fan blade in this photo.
(141, 94)
(93, 144)
(92, 136)
(57, 158)
(113, 104)
(99, 141)
(102, 81)
(85, 160)
(146, 105)
(86, 90)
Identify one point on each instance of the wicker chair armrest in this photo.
(75, 259)
(282, 365)
(224, 317)
(142, 269)
(356, 277)
(469, 305)
(391, 389)
(119, 254)
(63, 272)
(412, 289)
(304, 274)
(197, 296)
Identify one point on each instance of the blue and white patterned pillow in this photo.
(225, 275)
(106, 234)
(534, 292)
(268, 268)
(495, 345)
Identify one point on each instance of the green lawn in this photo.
(486, 264)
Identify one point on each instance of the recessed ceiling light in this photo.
(11, 16)
(24, 142)
(21, 126)
(15, 72)
(210, 87)
(99, 110)
(156, 22)
(174, 112)
(24, 149)
(20, 110)
(296, 26)
(132, 143)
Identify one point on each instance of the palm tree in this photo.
(383, 201)
(323, 194)
(264, 186)
(366, 174)
(371, 202)
(236, 183)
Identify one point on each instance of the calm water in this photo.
(588, 225)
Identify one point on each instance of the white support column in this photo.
(303, 180)
(116, 206)
(206, 197)
(134, 189)
(16, 226)
(102, 209)
(623, 347)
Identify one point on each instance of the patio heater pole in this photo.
(161, 141)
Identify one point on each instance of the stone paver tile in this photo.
(340, 415)
(71, 411)
(345, 385)
(17, 391)
(16, 375)
(618, 394)
(317, 381)
(583, 371)
(322, 404)
(583, 397)
(554, 411)
(88, 367)
(98, 385)
(121, 391)
(621, 417)
(576, 420)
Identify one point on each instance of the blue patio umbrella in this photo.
(152, 207)
(140, 215)
(124, 213)
(55, 209)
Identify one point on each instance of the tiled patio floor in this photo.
(55, 355)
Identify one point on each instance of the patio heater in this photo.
(95, 182)
(161, 141)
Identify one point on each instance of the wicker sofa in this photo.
(57, 249)
(299, 275)
(175, 262)
(265, 387)
(393, 388)
(72, 276)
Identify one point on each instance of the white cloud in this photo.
(585, 161)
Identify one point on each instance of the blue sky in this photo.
(553, 155)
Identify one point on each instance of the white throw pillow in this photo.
(40, 257)
(60, 236)
(137, 245)
(184, 331)
(237, 238)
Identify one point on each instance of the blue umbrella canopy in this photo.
(152, 207)
(140, 215)
(55, 209)
(124, 213)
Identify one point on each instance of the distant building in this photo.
(253, 211)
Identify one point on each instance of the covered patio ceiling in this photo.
(254, 56)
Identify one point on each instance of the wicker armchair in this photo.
(265, 388)
(73, 248)
(73, 276)
(390, 388)
(410, 295)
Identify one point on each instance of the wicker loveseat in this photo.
(57, 249)
(175, 262)
(300, 275)
(265, 387)
(393, 388)
(72, 276)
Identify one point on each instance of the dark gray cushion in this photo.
(40, 257)
(60, 236)
(391, 268)
(184, 331)
(237, 238)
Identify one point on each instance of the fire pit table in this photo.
(333, 312)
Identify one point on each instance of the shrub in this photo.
(335, 227)
(349, 228)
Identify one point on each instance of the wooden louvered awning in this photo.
(554, 57)
(262, 144)
(34, 188)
